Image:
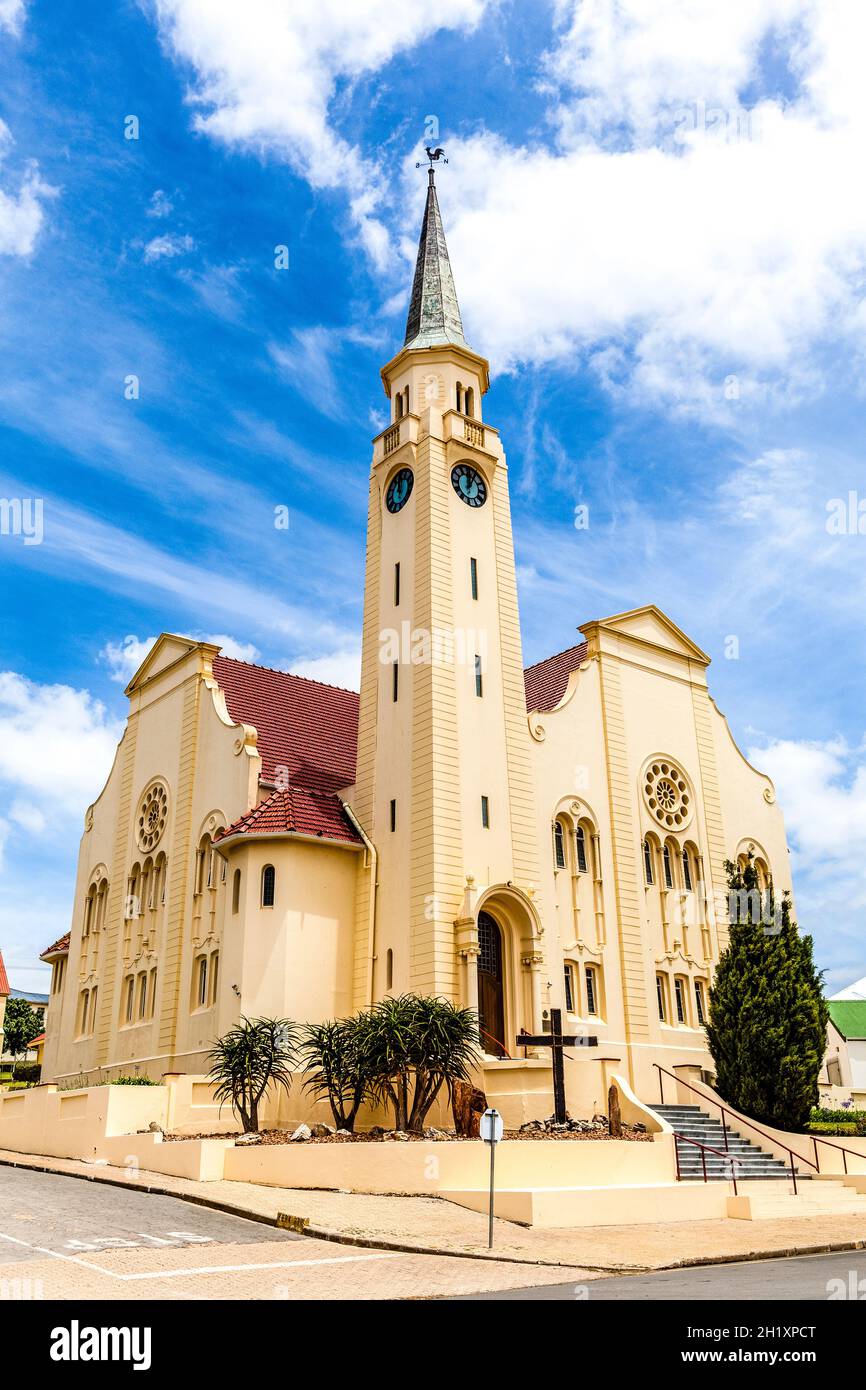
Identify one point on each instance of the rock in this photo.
(532, 1126)
(639, 1128)
(248, 1139)
(342, 1134)
(401, 1136)
(323, 1131)
(437, 1135)
(301, 1134)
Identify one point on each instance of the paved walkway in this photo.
(427, 1224)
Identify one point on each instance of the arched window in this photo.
(459, 395)
(201, 982)
(470, 401)
(214, 975)
(94, 995)
(570, 989)
(269, 885)
(580, 848)
(648, 872)
(81, 1020)
(687, 871)
(668, 867)
(152, 989)
(700, 1002)
(130, 999)
(236, 890)
(662, 998)
(593, 1002)
(142, 995)
(680, 999)
(558, 845)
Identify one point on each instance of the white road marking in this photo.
(213, 1269)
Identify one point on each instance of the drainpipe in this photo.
(374, 884)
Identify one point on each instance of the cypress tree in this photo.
(768, 1018)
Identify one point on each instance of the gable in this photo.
(168, 650)
(849, 1017)
(648, 626)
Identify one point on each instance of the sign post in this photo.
(556, 1042)
(491, 1127)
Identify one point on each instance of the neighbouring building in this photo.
(516, 840)
(845, 1059)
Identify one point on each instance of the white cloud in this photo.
(22, 212)
(342, 667)
(821, 787)
(56, 746)
(242, 651)
(160, 204)
(11, 15)
(166, 246)
(123, 658)
(306, 363)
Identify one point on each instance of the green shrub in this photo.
(27, 1071)
(838, 1117)
(133, 1081)
(823, 1127)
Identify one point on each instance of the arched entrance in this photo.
(491, 991)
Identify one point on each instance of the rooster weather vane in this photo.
(433, 156)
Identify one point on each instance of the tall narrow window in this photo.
(94, 995)
(473, 576)
(397, 585)
(687, 871)
(152, 988)
(269, 884)
(660, 998)
(680, 997)
(236, 890)
(558, 845)
(668, 867)
(395, 680)
(648, 863)
(459, 396)
(469, 399)
(569, 988)
(700, 1006)
(580, 846)
(201, 994)
(214, 975)
(142, 996)
(393, 815)
(479, 680)
(130, 997)
(485, 813)
(591, 975)
(389, 969)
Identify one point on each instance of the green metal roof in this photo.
(849, 1016)
(434, 314)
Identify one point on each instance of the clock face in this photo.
(469, 485)
(399, 490)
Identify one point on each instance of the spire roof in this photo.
(434, 314)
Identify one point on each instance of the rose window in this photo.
(667, 794)
(152, 816)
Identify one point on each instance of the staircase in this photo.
(691, 1122)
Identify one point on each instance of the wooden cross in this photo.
(556, 1042)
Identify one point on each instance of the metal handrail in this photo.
(662, 1071)
(496, 1040)
(705, 1149)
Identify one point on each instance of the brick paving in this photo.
(424, 1223)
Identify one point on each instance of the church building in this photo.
(517, 840)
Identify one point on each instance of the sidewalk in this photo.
(430, 1225)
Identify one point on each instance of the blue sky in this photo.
(659, 239)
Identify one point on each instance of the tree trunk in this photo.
(467, 1105)
(613, 1113)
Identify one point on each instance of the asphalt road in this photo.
(802, 1278)
(63, 1238)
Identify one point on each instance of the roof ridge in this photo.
(275, 670)
(573, 648)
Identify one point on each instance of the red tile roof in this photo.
(305, 727)
(298, 811)
(546, 682)
(60, 946)
(4, 978)
(40, 1038)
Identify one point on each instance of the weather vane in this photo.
(433, 156)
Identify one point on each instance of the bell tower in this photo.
(444, 782)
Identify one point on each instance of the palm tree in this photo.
(253, 1056)
(413, 1045)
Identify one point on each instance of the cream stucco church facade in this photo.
(517, 840)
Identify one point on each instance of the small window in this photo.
(558, 845)
(201, 978)
(393, 815)
(591, 976)
(214, 975)
(142, 996)
(687, 871)
(130, 999)
(485, 813)
(397, 585)
(660, 997)
(395, 680)
(236, 890)
(473, 576)
(680, 997)
(479, 682)
(269, 884)
(569, 988)
(458, 393)
(94, 994)
(700, 1006)
(648, 863)
(580, 846)
(469, 400)
(152, 989)
(389, 969)
(83, 1000)
(668, 867)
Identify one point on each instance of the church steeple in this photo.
(434, 314)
